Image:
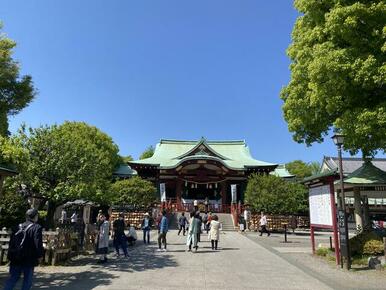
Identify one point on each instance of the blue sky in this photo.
(145, 70)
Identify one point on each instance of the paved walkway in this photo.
(241, 263)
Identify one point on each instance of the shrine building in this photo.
(202, 170)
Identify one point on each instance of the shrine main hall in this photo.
(216, 171)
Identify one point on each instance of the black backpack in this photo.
(17, 251)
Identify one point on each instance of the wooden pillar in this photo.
(178, 193)
(358, 209)
(366, 215)
(224, 192)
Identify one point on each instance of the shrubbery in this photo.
(366, 243)
(12, 209)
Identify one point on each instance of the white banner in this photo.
(234, 193)
(162, 190)
(320, 205)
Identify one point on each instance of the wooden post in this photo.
(312, 240)
(384, 246)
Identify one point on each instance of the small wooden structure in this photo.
(59, 245)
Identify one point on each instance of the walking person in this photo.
(25, 251)
(103, 238)
(163, 229)
(199, 225)
(192, 232)
(182, 224)
(210, 217)
(146, 225)
(263, 224)
(120, 240)
(205, 220)
(214, 233)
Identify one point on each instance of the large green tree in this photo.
(302, 169)
(73, 160)
(275, 195)
(16, 91)
(147, 153)
(134, 191)
(338, 73)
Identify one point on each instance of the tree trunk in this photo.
(50, 214)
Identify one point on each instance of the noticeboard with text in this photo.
(320, 205)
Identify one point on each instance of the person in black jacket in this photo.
(25, 255)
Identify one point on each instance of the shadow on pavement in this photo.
(86, 280)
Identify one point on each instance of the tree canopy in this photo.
(302, 169)
(275, 195)
(60, 163)
(16, 91)
(338, 73)
(147, 153)
(133, 191)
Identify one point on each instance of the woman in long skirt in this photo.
(103, 239)
(192, 232)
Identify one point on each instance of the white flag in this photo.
(234, 192)
(162, 188)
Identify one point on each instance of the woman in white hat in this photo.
(146, 227)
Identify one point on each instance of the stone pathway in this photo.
(241, 263)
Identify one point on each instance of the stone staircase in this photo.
(227, 222)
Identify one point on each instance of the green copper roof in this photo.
(321, 175)
(233, 154)
(124, 170)
(7, 169)
(282, 172)
(366, 174)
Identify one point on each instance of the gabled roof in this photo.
(350, 164)
(124, 170)
(235, 155)
(367, 174)
(281, 171)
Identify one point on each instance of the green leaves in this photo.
(338, 73)
(61, 163)
(275, 195)
(147, 153)
(134, 191)
(16, 91)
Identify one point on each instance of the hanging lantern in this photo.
(186, 183)
(192, 186)
(207, 185)
(210, 186)
(215, 185)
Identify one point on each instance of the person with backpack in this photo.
(25, 251)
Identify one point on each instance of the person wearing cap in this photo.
(146, 227)
(24, 260)
(120, 240)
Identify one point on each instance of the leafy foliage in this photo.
(368, 243)
(302, 169)
(12, 209)
(275, 195)
(16, 91)
(127, 158)
(73, 160)
(133, 191)
(147, 153)
(338, 73)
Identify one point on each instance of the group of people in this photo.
(245, 222)
(120, 239)
(194, 227)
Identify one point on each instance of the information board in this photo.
(320, 205)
